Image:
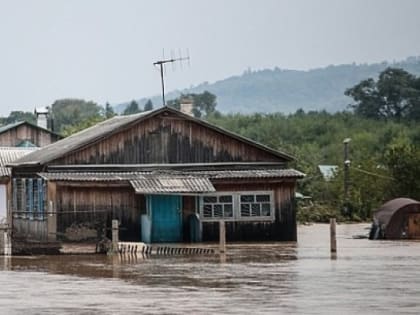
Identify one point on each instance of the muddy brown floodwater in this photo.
(368, 277)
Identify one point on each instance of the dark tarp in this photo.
(392, 217)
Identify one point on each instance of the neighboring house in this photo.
(165, 175)
(328, 171)
(7, 156)
(26, 134)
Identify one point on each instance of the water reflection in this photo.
(267, 278)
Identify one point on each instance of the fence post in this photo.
(7, 242)
(115, 232)
(222, 236)
(333, 237)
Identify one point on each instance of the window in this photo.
(237, 206)
(19, 197)
(217, 206)
(29, 198)
(255, 205)
(38, 198)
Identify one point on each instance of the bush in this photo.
(318, 213)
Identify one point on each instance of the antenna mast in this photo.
(161, 64)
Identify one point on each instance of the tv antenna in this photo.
(161, 64)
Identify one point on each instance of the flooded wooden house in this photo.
(165, 175)
(397, 219)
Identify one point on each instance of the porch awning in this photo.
(172, 184)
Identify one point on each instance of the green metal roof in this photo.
(26, 144)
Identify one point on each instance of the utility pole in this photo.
(346, 176)
(161, 64)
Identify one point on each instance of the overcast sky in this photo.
(104, 50)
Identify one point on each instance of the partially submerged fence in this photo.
(5, 240)
(135, 248)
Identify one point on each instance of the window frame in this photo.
(29, 198)
(217, 194)
(236, 206)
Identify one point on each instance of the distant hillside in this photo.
(286, 91)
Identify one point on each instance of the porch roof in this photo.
(142, 182)
(10, 154)
(172, 184)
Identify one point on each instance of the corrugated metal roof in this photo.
(115, 124)
(328, 171)
(142, 182)
(124, 176)
(273, 173)
(92, 176)
(10, 154)
(172, 184)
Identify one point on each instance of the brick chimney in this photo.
(186, 106)
(41, 117)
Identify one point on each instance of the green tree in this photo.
(109, 111)
(204, 104)
(403, 162)
(70, 129)
(132, 108)
(69, 112)
(366, 96)
(149, 105)
(414, 96)
(395, 95)
(16, 116)
(316, 138)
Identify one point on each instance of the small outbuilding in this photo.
(397, 219)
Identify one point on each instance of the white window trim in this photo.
(236, 195)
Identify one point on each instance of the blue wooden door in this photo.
(166, 218)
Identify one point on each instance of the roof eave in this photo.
(25, 164)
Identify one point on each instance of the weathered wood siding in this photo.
(282, 229)
(30, 229)
(167, 139)
(39, 137)
(189, 205)
(83, 210)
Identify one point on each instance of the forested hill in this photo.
(286, 91)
